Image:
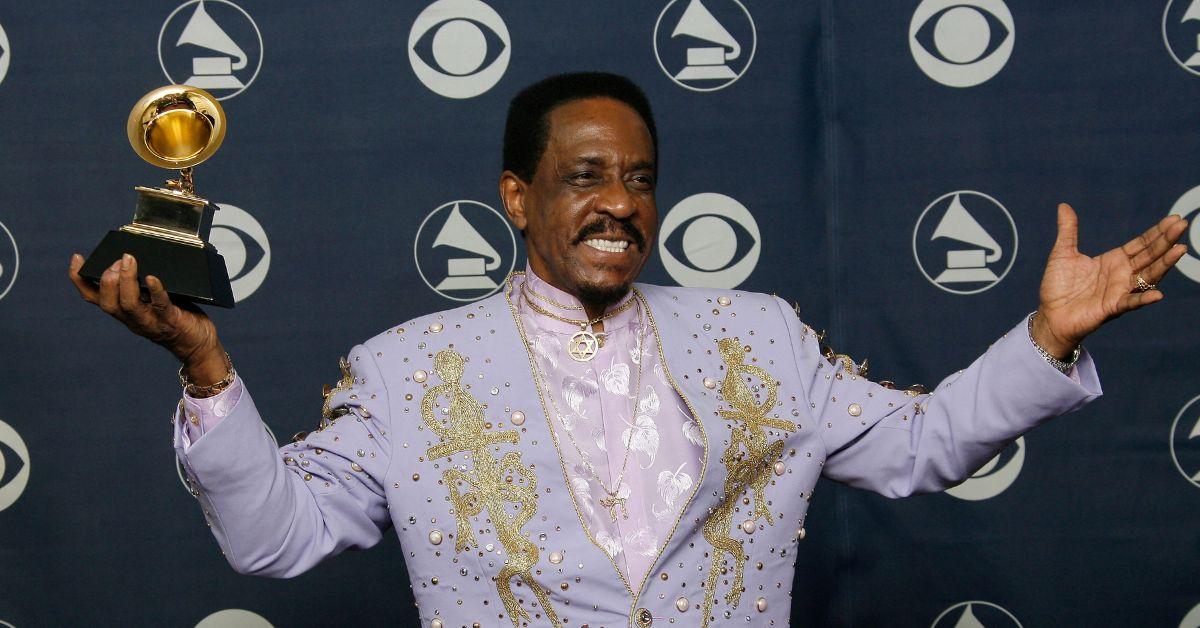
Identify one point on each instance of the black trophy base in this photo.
(187, 272)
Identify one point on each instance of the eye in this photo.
(11, 463)
(962, 34)
(709, 243)
(584, 177)
(643, 181)
(242, 252)
(459, 47)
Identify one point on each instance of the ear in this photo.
(512, 194)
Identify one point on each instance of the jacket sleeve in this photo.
(277, 512)
(898, 443)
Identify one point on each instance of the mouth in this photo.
(607, 245)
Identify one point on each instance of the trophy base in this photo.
(187, 272)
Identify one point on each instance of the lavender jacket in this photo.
(437, 430)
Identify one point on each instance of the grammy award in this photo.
(175, 127)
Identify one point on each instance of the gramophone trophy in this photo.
(173, 127)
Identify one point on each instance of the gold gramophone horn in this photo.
(176, 127)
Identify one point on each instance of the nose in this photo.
(614, 198)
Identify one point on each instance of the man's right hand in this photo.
(186, 332)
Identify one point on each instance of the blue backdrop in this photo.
(893, 167)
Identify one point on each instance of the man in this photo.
(579, 451)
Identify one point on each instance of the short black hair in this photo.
(528, 127)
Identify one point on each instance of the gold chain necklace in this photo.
(584, 343)
(612, 501)
(545, 299)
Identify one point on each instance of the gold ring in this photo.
(1142, 284)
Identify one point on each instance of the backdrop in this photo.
(893, 167)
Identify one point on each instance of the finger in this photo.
(1159, 268)
(1133, 301)
(127, 286)
(86, 290)
(1136, 245)
(129, 295)
(1161, 244)
(1068, 229)
(160, 301)
(109, 301)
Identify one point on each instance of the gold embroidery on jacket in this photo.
(747, 459)
(328, 414)
(486, 487)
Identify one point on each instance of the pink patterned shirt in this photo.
(618, 404)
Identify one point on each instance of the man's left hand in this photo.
(1080, 293)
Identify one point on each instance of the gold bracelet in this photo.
(200, 392)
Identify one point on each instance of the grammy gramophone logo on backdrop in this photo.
(1181, 33)
(961, 43)
(975, 614)
(211, 44)
(704, 45)
(459, 48)
(5, 54)
(965, 242)
(1188, 206)
(1185, 441)
(464, 250)
(14, 465)
(10, 260)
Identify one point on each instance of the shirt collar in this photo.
(535, 284)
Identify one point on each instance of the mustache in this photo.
(609, 226)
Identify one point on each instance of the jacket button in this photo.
(644, 618)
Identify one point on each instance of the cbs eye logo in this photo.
(14, 465)
(709, 240)
(995, 476)
(961, 43)
(243, 243)
(4, 54)
(459, 48)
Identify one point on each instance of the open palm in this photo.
(1080, 293)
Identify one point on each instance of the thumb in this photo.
(1068, 230)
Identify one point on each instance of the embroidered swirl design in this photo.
(485, 488)
(747, 459)
(331, 414)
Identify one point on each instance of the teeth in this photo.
(609, 246)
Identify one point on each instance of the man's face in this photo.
(589, 215)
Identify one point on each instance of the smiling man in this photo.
(583, 450)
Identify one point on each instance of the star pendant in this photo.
(583, 346)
